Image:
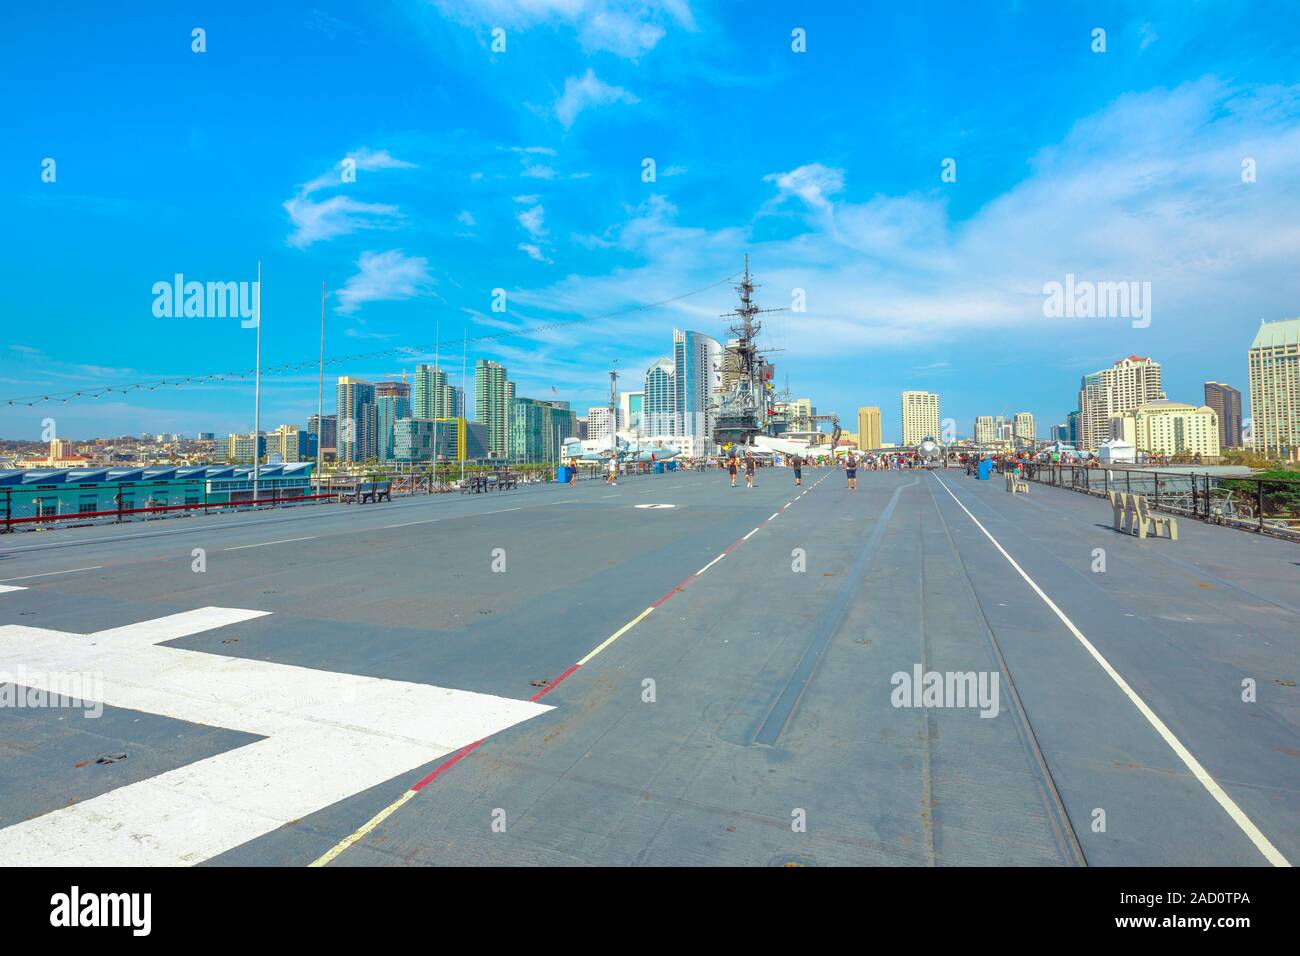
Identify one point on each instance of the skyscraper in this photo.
(697, 376)
(392, 402)
(432, 396)
(598, 421)
(538, 429)
(492, 394)
(326, 430)
(1169, 428)
(1274, 361)
(869, 427)
(1130, 382)
(920, 416)
(1024, 429)
(357, 420)
(986, 430)
(659, 397)
(1226, 402)
(631, 407)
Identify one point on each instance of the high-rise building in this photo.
(869, 427)
(986, 431)
(1024, 429)
(660, 392)
(291, 443)
(1072, 428)
(239, 448)
(392, 402)
(453, 439)
(798, 415)
(598, 421)
(1169, 428)
(492, 394)
(358, 423)
(431, 395)
(1226, 402)
(731, 370)
(697, 377)
(538, 429)
(326, 430)
(1274, 361)
(920, 416)
(1130, 382)
(631, 407)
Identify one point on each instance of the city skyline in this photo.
(910, 280)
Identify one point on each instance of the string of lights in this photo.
(180, 381)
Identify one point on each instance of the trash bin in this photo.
(659, 468)
(672, 466)
(985, 469)
(562, 474)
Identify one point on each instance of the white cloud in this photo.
(363, 160)
(336, 216)
(317, 220)
(539, 172)
(532, 219)
(814, 184)
(626, 28)
(385, 276)
(466, 218)
(1147, 189)
(534, 251)
(586, 91)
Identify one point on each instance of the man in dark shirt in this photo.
(797, 464)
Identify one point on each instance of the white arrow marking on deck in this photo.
(327, 737)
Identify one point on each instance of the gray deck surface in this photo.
(605, 778)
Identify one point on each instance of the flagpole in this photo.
(464, 389)
(257, 386)
(437, 370)
(320, 395)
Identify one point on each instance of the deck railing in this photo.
(1266, 505)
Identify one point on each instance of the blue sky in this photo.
(522, 170)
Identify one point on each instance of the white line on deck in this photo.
(325, 736)
(616, 635)
(711, 564)
(773, 515)
(473, 514)
(750, 535)
(265, 543)
(1270, 852)
(48, 573)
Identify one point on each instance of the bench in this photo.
(478, 484)
(1016, 485)
(1132, 514)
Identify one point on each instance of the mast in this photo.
(320, 396)
(743, 412)
(257, 386)
(613, 410)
